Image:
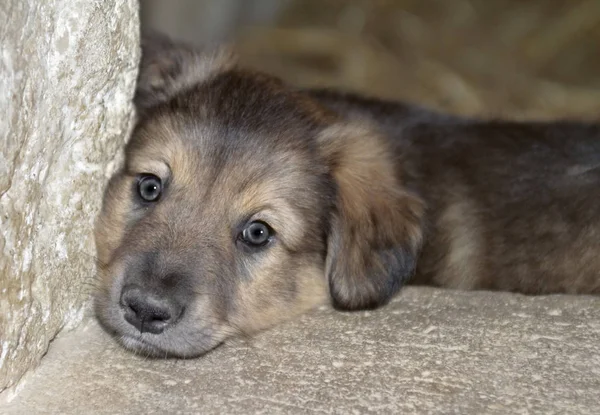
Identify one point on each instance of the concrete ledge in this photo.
(430, 351)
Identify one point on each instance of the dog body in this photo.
(244, 202)
(509, 206)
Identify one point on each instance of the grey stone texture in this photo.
(67, 75)
(430, 351)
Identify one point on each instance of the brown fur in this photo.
(362, 195)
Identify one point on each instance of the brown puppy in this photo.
(244, 202)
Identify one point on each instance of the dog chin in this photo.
(141, 345)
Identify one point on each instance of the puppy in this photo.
(244, 202)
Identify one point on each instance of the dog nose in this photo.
(148, 312)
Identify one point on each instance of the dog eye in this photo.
(149, 188)
(256, 234)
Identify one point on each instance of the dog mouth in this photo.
(138, 344)
(191, 335)
(112, 320)
(147, 349)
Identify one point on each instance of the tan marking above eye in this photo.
(267, 215)
(157, 168)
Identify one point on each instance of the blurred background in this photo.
(512, 58)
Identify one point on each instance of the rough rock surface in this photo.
(67, 73)
(430, 351)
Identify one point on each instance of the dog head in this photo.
(243, 203)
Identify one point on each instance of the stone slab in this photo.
(430, 351)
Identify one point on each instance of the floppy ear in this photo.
(168, 67)
(376, 230)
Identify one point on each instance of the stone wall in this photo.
(67, 75)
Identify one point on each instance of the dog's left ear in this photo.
(375, 230)
(168, 67)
